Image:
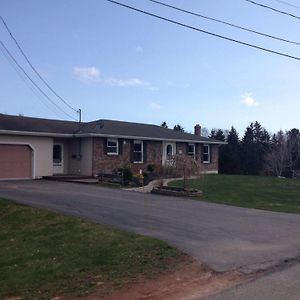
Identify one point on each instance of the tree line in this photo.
(259, 152)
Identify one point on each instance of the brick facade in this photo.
(107, 163)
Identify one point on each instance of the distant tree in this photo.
(255, 144)
(212, 134)
(276, 158)
(293, 149)
(178, 128)
(220, 136)
(217, 134)
(204, 132)
(164, 124)
(248, 152)
(230, 154)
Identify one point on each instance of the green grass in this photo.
(268, 193)
(43, 254)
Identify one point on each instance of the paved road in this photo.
(223, 237)
(277, 286)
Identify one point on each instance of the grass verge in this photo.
(268, 193)
(44, 254)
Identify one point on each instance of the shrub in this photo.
(151, 168)
(127, 174)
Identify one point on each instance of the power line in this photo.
(26, 82)
(273, 9)
(224, 22)
(34, 69)
(288, 4)
(204, 31)
(33, 82)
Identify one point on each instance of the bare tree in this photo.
(276, 159)
(182, 165)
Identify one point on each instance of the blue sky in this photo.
(117, 64)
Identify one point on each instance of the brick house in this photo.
(34, 147)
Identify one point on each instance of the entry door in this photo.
(58, 159)
(169, 149)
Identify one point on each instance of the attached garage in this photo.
(16, 161)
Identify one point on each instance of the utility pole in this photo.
(79, 115)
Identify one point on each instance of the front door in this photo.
(169, 150)
(58, 159)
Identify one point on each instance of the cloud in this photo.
(248, 100)
(131, 82)
(155, 106)
(86, 73)
(139, 49)
(93, 74)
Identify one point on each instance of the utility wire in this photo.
(204, 31)
(287, 3)
(33, 82)
(224, 22)
(273, 9)
(26, 82)
(34, 69)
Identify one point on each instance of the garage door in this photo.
(15, 162)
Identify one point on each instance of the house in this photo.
(34, 147)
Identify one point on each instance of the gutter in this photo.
(86, 135)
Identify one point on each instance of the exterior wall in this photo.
(80, 156)
(213, 166)
(42, 147)
(107, 163)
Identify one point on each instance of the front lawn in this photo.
(44, 254)
(269, 193)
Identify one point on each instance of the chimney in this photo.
(197, 130)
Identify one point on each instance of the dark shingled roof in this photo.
(20, 123)
(103, 127)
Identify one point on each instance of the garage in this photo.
(15, 161)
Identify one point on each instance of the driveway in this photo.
(221, 236)
(276, 286)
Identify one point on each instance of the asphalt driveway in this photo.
(221, 236)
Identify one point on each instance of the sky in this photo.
(114, 63)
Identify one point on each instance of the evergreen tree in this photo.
(164, 124)
(178, 128)
(248, 154)
(212, 134)
(255, 145)
(230, 159)
(220, 136)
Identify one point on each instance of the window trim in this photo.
(117, 147)
(142, 151)
(208, 154)
(193, 154)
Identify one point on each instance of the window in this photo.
(137, 151)
(206, 153)
(57, 154)
(169, 150)
(112, 147)
(191, 150)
